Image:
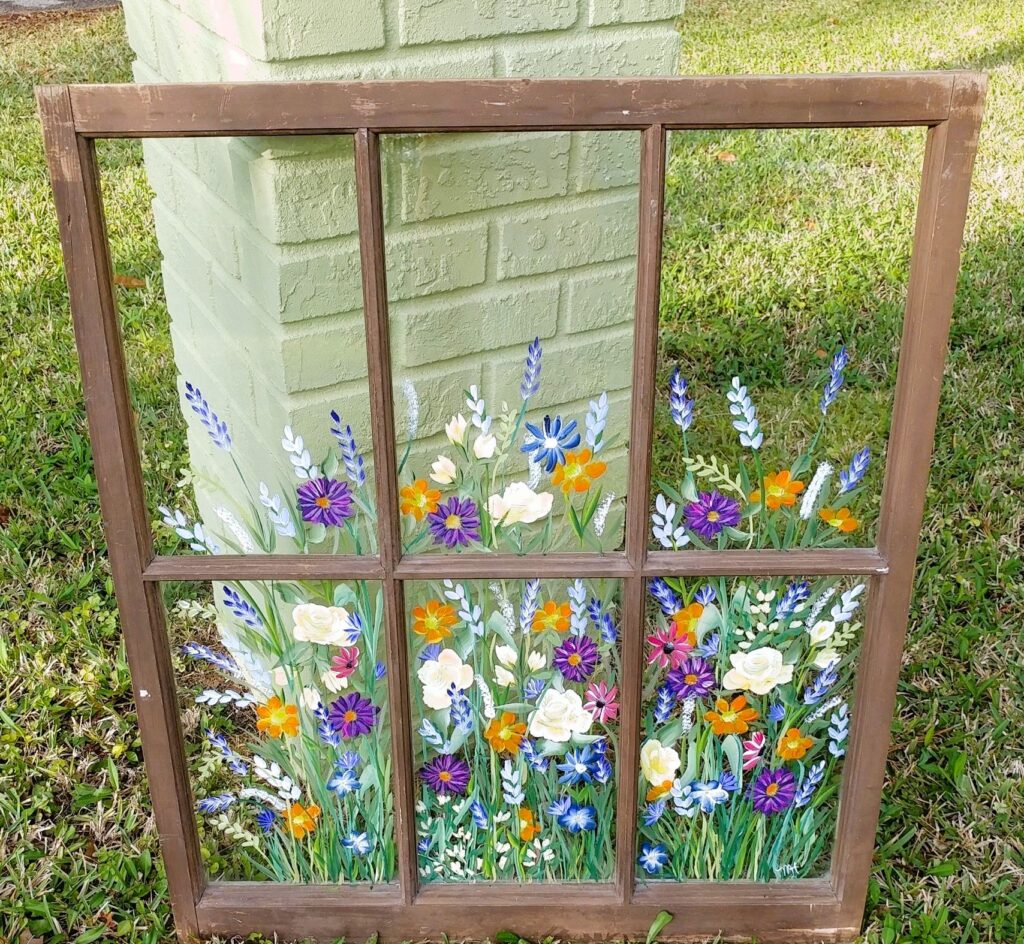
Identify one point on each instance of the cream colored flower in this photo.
(333, 682)
(443, 471)
(439, 675)
(484, 446)
(821, 631)
(280, 676)
(559, 716)
(536, 661)
(825, 658)
(311, 698)
(658, 763)
(506, 655)
(518, 503)
(503, 677)
(758, 671)
(325, 625)
(455, 430)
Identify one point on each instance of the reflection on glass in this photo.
(515, 706)
(746, 716)
(289, 729)
(763, 500)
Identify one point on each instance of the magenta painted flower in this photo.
(692, 678)
(455, 523)
(345, 662)
(669, 648)
(600, 702)
(352, 715)
(325, 501)
(446, 774)
(752, 748)
(576, 658)
(711, 513)
(773, 791)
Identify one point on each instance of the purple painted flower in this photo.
(711, 513)
(576, 658)
(352, 715)
(446, 774)
(325, 501)
(456, 522)
(773, 791)
(693, 678)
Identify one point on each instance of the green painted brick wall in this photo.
(491, 239)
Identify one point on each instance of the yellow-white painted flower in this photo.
(506, 655)
(443, 471)
(503, 677)
(455, 430)
(536, 661)
(758, 671)
(440, 674)
(821, 631)
(333, 682)
(485, 446)
(311, 698)
(325, 625)
(559, 716)
(518, 503)
(825, 658)
(658, 763)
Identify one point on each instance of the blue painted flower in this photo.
(776, 711)
(546, 444)
(357, 842)
(653, 811)
(708, 794)
(653, 858)
(349, 760)
(578, 819)
(266, 818)
(344, 781)
(576, 768)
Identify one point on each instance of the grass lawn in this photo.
(777, 244)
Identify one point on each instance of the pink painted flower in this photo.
(600, 702)
(752, 750)
(669, 647)
(345, 662)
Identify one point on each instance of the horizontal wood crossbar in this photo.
(822, 101)
(761, 563)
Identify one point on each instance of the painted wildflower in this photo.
(653, 858)
(692, 678)
(353, 715)
(711, 514)
(531, 371)
(446, 774)
(547, 444)
(780, 491)
(851, 477)
(577, 472)
(505, 734)
(553, 615)
(774, 791)
(680, 405)
(576, 658)
(600, 702)
(455, 522)
(418, 499)
(277, 719)
(325, 501)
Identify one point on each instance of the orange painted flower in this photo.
(418, 500)
(504, 734)
(276, 718)
(301, 819)
(527, 827)
(434, 621)
(780, 490)
(793, 745)
(658, 791)
(552, 616)
(731, 717)
(684, 623)
(840, 520)
(577, 473)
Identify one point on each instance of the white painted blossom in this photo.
(663, 525)
(241, 533)
(810, 499)
(298, 455)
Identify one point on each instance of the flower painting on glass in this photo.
(515, 704)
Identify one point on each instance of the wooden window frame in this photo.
(948, 104)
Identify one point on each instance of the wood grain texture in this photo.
(519, 104)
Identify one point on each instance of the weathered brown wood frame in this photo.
(949, 104)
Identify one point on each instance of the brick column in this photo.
(491, 239)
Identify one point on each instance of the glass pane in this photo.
(746, 715)
(511, 273)
(243, 325)
(284, 708)
(782, 305)
(515, 708)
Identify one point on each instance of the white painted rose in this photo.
(758, 671)
(658, 763)
(518, 503)
(325, 625)
(559, 716)
(440, 674)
